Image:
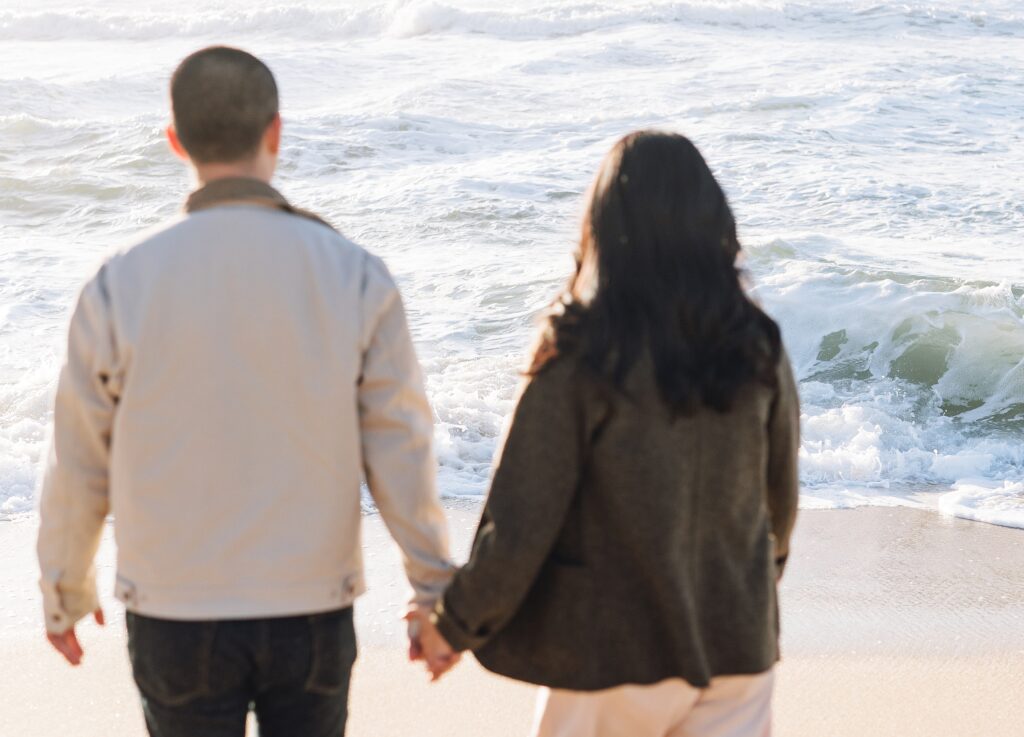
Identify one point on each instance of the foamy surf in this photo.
(1001, 504)
(877, 184)
(533, 19)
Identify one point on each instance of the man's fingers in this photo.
(73, 646)
(437, 673)
(415, 628)
(67, 645)
(426, 643)
(439, 665)
(415, 650)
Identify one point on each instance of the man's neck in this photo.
(206, 173)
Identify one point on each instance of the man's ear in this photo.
(175, 143)
(272, 136)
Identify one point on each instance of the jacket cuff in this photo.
(452, 630)
(63, 608)
(425, 594)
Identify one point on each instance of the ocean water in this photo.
(873, 153)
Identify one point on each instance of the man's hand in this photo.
(426, 643)
(415, 627)
(66, 643)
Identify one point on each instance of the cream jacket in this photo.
(228, 382)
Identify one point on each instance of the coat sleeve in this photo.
(535, 478)
(74, 498)
(396, 428)
(783, 481)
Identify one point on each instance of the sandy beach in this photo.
(896, 622)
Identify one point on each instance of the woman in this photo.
(641, 508)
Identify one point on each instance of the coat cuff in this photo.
(453, 631)
(63, 608)
(424, 594)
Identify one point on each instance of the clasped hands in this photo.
(426, 643)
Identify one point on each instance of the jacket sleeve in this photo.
(396, 427)
(783, 451)
(535, 479)
(74, 496)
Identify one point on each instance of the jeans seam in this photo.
(314, 656)
(209, 634)
(266, 655)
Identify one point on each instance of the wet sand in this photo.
(896, 622)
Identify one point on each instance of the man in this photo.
(227, 381)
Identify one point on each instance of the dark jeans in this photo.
(199, 679)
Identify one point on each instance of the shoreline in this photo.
(931, 498)
(895, 622)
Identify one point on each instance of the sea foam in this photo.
(548, 19)
(876, 183)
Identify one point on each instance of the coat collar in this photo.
(243, 190)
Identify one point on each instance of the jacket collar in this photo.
(243, 190)
(235, 189)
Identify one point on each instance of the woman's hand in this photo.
(428, 644)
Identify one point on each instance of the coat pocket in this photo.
(333, 651)
(170, 659)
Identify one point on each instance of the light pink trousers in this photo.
(731, 706)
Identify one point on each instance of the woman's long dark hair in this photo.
(656, 271)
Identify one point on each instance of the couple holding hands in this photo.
(232, 378)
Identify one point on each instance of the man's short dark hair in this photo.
(222, 99)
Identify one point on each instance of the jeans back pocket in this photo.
(333, 651)
(170, 659)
